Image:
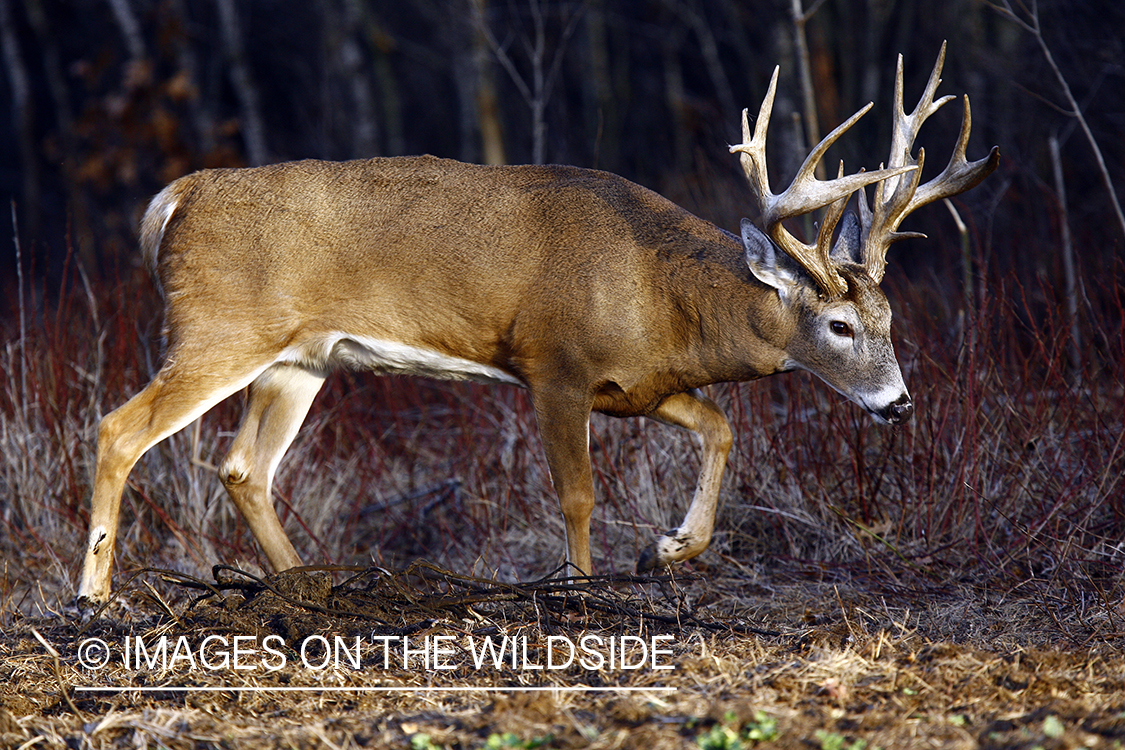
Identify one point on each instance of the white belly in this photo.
(363, 353)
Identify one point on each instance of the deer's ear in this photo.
(847, 248)
(769, 264)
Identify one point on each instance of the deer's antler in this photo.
(895, 198)
(804, 194)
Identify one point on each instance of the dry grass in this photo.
(957, 582)
(845, 663)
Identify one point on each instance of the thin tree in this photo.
(1031, 25)
(804, 66)
(536, 92)
(253, 131)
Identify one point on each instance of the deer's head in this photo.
(840, 318)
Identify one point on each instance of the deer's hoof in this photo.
(664, 550)
(649, 560)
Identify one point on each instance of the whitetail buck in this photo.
(591, 292)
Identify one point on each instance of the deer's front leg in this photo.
(564, 426)
(693, 411)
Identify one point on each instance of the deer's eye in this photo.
(840, 328)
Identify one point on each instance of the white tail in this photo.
(591, 292)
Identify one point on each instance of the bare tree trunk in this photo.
(709, 47)
(538, 100)
(130, 28)
(365, 129)
(202, 117)
(488, 109)
(604, 107)
(1068, 265)
(675, 98)
(968, 296)
(393, 124)
(253, 132)
(536, 92)
(53, 70)
(78, 212)
(487, 102)
(804, 69)
(23, 116)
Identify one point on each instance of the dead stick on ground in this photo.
(58, 674)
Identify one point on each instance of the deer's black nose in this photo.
(900, 411)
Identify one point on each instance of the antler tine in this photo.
(906, 126)
(804, 194)
(960, 174)
(896, 198)
(753, 151)
(831, 218)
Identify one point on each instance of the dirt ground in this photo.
(793, 657)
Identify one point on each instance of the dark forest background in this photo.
(105, 101)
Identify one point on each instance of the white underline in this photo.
(364, 689)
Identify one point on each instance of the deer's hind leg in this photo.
(189, 383)
(278, 401)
